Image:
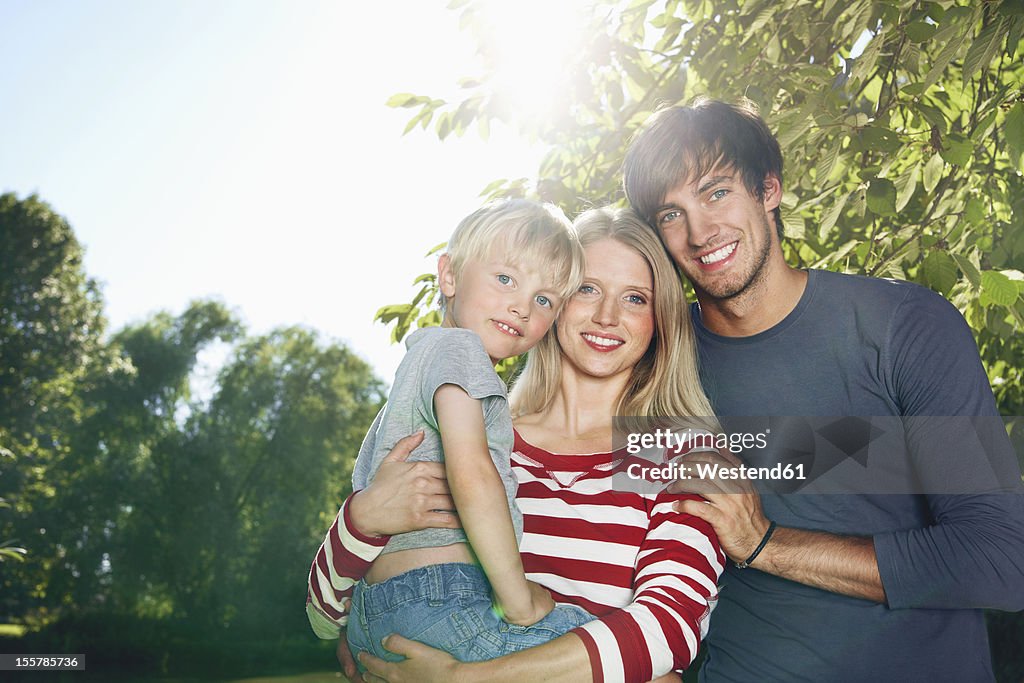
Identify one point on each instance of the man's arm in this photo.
(970, 554)
(832, 562)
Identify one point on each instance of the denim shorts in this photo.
(446, 606)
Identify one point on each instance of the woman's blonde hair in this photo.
(665, 382)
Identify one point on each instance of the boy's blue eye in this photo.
(504, 279)
(543, 301)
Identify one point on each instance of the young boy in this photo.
(508, 268)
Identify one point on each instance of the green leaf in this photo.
(957, 149)
(920, 31)
(829, 218)
(959, 31)
(406, 100)
(972, 274)
(426, 277)
(998, 288)
(906, 183)
(1016, 277)
(933, 172)
(386, 314)
(984, 48)
(881, 197)
(939, 271)
(828, 162)
(1014, 132)
(793, 226)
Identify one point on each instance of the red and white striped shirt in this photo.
(649, 574)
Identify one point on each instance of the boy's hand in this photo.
(540, 606)
(404, 496)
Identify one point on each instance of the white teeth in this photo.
(718, 255)
(602, 341)
(507, 328)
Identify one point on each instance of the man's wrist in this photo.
(765, 538)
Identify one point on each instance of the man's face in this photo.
(719, 234)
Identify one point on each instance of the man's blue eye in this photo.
(670, 216)
(718, 194)
(504, 279)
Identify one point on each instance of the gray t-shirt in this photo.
(436, 356)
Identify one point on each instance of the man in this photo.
(858, 587)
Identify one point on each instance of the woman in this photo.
(623, 347)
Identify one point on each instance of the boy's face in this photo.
(508, 305)
(718, 233)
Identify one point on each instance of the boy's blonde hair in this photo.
(665, 381)
(529, 233)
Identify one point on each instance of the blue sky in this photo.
(242, 150)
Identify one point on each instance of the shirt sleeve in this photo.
(343, 558)
(972, 553)
(674, 591)
(458, 358)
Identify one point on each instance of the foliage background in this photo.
(901, 125)
(143, 522)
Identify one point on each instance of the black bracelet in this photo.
(757, 551)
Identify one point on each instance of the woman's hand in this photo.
(344, 655)
(422, 663)
(404, 496)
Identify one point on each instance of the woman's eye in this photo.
(586, 289)
(543, 301)
(636, 299)
(504, 279)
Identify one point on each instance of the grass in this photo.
(12, 630)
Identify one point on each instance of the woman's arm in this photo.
(402, 497)
(675, 589)
(480, 498)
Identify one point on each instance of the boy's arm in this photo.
(482, 505)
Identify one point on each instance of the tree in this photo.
(902, 160)
(51, 326)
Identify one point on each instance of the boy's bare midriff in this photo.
(393, 564)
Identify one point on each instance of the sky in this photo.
(241, 149)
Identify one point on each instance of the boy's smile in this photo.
(508, 305)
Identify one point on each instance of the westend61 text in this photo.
(703, 470)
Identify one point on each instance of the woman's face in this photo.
(607, 326)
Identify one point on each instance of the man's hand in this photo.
(348, 663)
(422, 663)
(731, 506)
(404, 496)
(831, 562)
